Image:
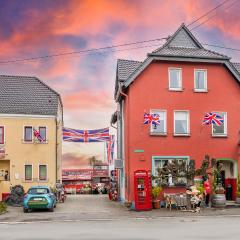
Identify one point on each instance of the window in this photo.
(160, 129)
(28, 134)
(1, 135)
(28, 172)
(171, 171)
(42, 172)
(181, 123)
(42, 132)
(220, 131)
(200, 80)
(175, 79)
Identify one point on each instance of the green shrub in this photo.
(156, 192)
(3, 207)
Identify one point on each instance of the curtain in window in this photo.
(42, 172)
(181, 122)
(1, 135)
(28, 172)
(28, 134)
(42, 132)
(175, 78)
(200, 80)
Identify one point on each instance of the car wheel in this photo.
(55, 205)
(25, 210)
(51, 209)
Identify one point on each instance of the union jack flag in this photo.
(110, 148)
(37, 135)
(151, 118)
(74, 135)
(213, 118)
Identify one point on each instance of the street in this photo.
(149, 229)
(95, 217)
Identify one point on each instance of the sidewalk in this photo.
(99, 207)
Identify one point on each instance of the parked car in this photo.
(39, 197)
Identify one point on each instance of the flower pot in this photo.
(218, 200)
(156, 204)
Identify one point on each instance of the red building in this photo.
(181, 81)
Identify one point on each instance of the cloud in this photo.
(88, 100)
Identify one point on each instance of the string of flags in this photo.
(75, 135)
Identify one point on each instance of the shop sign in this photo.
(139, 151)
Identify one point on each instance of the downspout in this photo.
(56, 139)
(127, 140)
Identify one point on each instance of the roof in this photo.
(125, 68)
(237, 66)
(181, 46)
(27, 95)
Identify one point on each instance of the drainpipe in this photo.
(126, 140)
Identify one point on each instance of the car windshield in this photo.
(38, 191)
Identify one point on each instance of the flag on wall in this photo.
(151, 118)
(74, 135)
(213, 118)
(37, 135)
(110, 149)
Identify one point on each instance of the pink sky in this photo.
(30, 28)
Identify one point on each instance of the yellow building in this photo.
(28, 107)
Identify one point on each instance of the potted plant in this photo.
(156, 190)
(238, 190)
(218, 198)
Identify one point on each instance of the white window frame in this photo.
(24, 134)
(180, 79)
(188, 123)
(225, 125)
(165, 122)
(26, 180)
(205, 89)
(42, 164)
(4, 134)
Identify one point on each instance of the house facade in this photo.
(29, 107)
(181, 82)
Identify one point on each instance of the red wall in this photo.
(150, 91)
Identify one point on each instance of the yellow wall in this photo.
(20, 153)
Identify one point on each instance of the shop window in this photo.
(200, 80)
(1, 135)
(171, 171)
(159, 129)
(43, 132)
(28, 133)
(28, 172)
(42, 172)
(175, 79)
(221, 130)
(181, 123)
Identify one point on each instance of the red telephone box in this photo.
(142, 190)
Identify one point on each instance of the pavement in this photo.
(99, 207)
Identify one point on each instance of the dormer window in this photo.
(200, 80)
(175, 79)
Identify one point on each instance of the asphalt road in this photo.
(192, 228)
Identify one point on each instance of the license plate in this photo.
(37, 199)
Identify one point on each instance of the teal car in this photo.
(39, 197)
